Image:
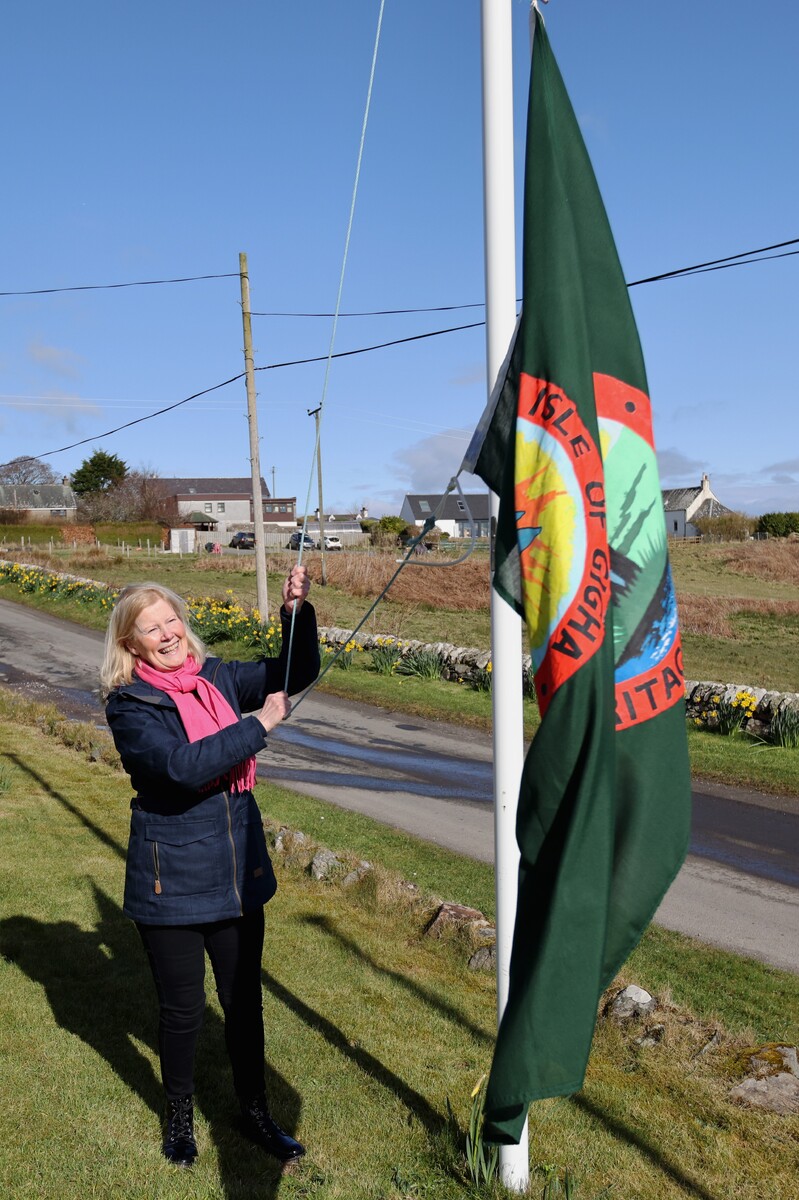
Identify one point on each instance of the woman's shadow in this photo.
(100, 990)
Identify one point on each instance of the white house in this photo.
(454, 517)
(682, 505)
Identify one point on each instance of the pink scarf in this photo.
(209, 716)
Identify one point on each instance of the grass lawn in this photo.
(371, 1027)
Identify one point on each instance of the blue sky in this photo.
(158, 140)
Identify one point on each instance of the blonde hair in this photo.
(118, 662)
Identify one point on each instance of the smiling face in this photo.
(159, 637)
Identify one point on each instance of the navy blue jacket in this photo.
(197, 851)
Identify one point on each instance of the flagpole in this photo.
(506, 627)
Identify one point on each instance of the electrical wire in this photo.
(698, 268)
(100, 287)
(139, 420)
(733, 260)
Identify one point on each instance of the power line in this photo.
(698, 268)
(380, 312)
(733, 260)
(269, 367)
(722, 265)
(416, 337)
(95, 437)
(679, 272)
(99, 287)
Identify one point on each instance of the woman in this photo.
(198, 873)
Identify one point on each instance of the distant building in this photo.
(683, 505)
(228, 502)
(39, 501)
(454, 517)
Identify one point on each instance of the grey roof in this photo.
(212, 487)
(711, 508)
(424, 505)
(37, 495)
(677, 499)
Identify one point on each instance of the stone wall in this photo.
(464, 663)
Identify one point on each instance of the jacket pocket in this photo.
(188, 858)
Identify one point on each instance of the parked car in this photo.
(331, 542)
(243, 541)
(298, 537)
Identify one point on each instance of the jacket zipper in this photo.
(157, 870)
(226, 794)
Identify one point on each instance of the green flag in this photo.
(566, 442)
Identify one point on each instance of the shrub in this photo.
(731, 527)
(778, 524)
(425, 664)
(784, 728)
(385, 656)
(481, 678)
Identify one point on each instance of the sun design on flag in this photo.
(547, 525)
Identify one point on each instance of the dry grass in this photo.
(773, 560)
(711, 615)
(462, 588)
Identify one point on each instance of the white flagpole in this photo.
(506, 639)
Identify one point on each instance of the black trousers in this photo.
(177, 960)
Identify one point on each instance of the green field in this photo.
(372, 1028)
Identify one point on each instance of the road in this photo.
(739, 888)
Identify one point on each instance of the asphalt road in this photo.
(739, 888)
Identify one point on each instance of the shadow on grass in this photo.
(423, 994)
(635, 1138)
(94, 981)
(414, 1101)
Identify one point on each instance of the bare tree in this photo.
(140, 496)
(26, 470)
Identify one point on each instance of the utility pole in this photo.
(255, 461)
(316, 414)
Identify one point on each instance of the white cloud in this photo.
(428, 465)
(678, 469)
(787, 466)
(56, 359)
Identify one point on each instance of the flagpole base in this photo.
(514, 1164)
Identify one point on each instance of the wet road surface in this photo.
(739, 888)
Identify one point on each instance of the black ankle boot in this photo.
(179, 1144)
(259, 1127)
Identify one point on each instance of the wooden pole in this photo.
(316, 414)
(262, 599)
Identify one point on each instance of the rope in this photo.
(403, 562)
(345, 256)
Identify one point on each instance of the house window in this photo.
(675, 526)
(283, 508)
(424, 506)
(461, 506)
(220, 506)
(208, 507)
(268, 508)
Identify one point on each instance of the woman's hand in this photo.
(276, 708)
(296, 588)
